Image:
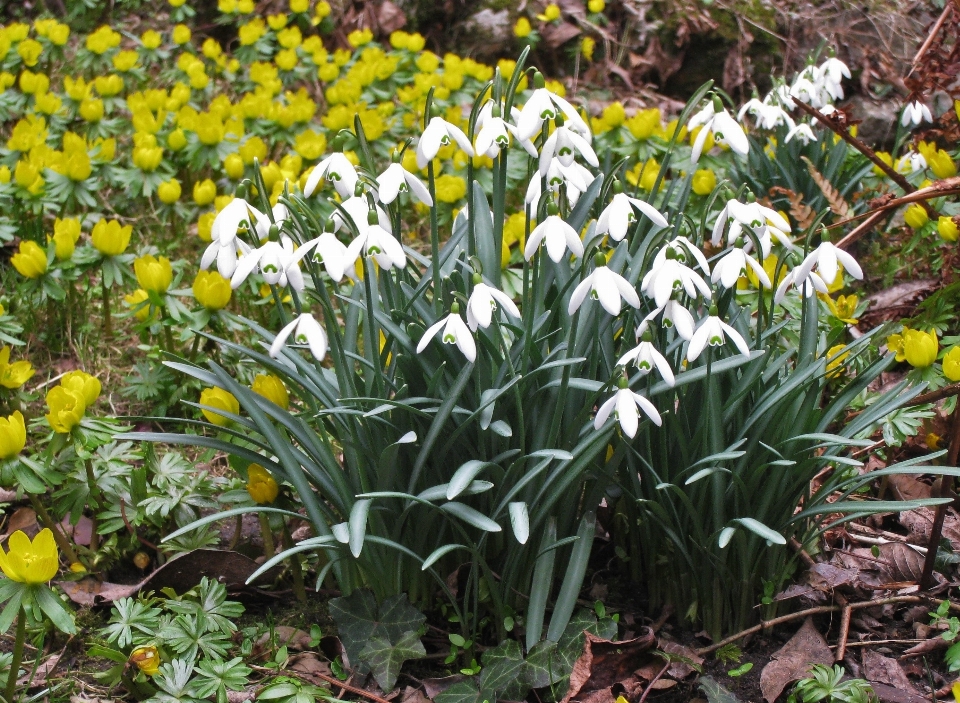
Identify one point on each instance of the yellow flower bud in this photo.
(13, 375)
(941, 164)
(31, 260)
(522, 28)
(169, 192)
(947, 228)
(83, 383)
(153, 273)
(271, 388)
(110, 238)
(204, 192)
(261, 486)
(951, 364)
(176, 140)
(212, 290)
(221, 399)
(147, 659)
(135, 300)
(151, 39)
(181, 34)
(91, 109)
(66, 409)
(13, 435)
(920, 348)
(915, 216)
(233, 167)
(704, 181)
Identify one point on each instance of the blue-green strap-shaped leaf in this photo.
(206, 520)
(439, 553)
(464, 476)
(520, 521)
(471, 516)
(573, 579)
(758, 528)
(358, 525)
(304, 546)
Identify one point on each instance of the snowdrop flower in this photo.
(618, 216)
(715, 118)
(228, 221)
(805, 90)
(395, 179)
(575, 177)
(806, 284)
(646, 357)
(767, 115)
(306, 330)
(625, 404)
(493, 132)
(803, 132)
(831, 73)
(359, 211)
(438, 134)
(336, 168)
(544, 105)
(661, 281)
(606, 286)
(377, 242)
(226, 255)
(762, 220)
(483, 301)
(558, 234)
(679, 318)
(912, 160)
(711, 331)
(782, 94)
(729, 268)
(825, 258)
(914, 113)
(562, 144)
(330, 251)
(455, 331)
(277, 262)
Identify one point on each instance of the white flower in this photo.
(438, 134)
(330, 251)
(359, 211)
(483, 301)
(544, 105)
(914, 113)
(575, 177)
(228, 220)
(455, 331)
(493, 132)
(397, 178)
(646, 357)
(763, 221)
(803, 131)
(825, 258)
(226, 256)
(626, 402)
(711, 330)
(912, 160)
(728, 269)
(617, 217)
(278, 263)
(807, 284)
(606, 286)
(767, 115)
(377, 242)
(724, 128)
(678, 317)
(559, 237)
(662, 280)
(308, 331)
(832, 72)
(562, 144)
(336, 168)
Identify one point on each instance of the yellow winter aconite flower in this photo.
(886, 158)
(359, 37)
(596, 6)
(271, 388)
(843, 308)
(450, 188)
(920, 348)
(212, 290)
(261, 486)
(13, 434)
(27, 175)
(522, 28)
(147, 658)
(233, 166)
(835, 360)
(87, 386)
(299, 6)
(30, 50)
(66, 233)
(205, 226)
(67, 407)
(151, 39)
(111, 238)
(13, 375)
(169, 191)
(125, 60)
(102, 40)
(181, 34)
(550, 13)
(176, 140)
(947, 228)
(30, 261)
(941, 164)
(644, 123)
(587, 46)
(204, 192)
(221, 399)
(951, 364)
(704, 181)
(915, 216)
(153, 273)
(91, 109)
(135, 300)
(31, 562)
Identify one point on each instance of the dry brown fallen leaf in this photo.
(793, 661)
(880, 669)
(604, 664)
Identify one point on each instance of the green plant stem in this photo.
(168, 338)
(107, 325)
(18, 642)
(267, 534)
(58, 536)
(296, 568)
(96, 504)
(435, 241)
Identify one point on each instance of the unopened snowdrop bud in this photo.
(538, 80)
(717, 103)
(241, 191)
(373, 218)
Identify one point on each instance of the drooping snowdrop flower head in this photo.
(606, 286)
(625, 404)
(563, 145)
(336, 168)
(329, 251)
(679, 318)
(809, 284)
(646, 357)
(438, 134)
(544, 105)
(915, 113)
(494, 132)
(358, 208)
(670, 273)
(825, 259)
(912, 161)
(761, 220)
(277, 262)
(224, 243)
(455, 331)
(767, 114)
(305, 330)
(574, 177)
(803, 132)
(483, 301)
(377, 242)
(396, 179)
(618, 216)
(711, 332)
(831, 73)
(731, 266)
(558, 235)
(715, 120)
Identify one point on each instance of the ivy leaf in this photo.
(385, 658)
(504, 672)
(464, 692)
(359, 620)
(545, 665)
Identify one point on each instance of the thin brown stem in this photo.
(296, 566)
(656, 678)
(844, 633)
